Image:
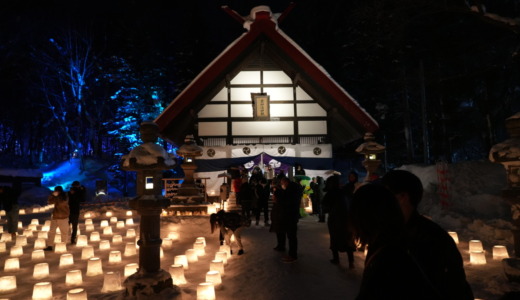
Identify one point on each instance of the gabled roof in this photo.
(349, 121)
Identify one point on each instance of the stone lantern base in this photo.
(149, 286)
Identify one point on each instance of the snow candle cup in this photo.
(129, 213)
(94, 236)
(500, 252)
(82, 241)
(32, 227)
(221, 255)
(28, 232)
(35, 222)
(12, 264)
(455, 236)
(201, 239)
(77, 294)
(117, 239)
(6, 237)
(60, 247)
(130, 249)
(21, 211)
(227, 249)
(129, 222)
(66, 260)
(21, 240)
(177, 273)
(3, 247)
(131, 269)
(88, 222)
(114, 257)
(181, 260)
(40, 243)
(214, 277)
(94, 267)
(89, 227)
(38, 255)
(217, 265)
(7, 284)
(199, 248)
(73, 278)
(16, 251)
(166, 243)
(42, 291)
(113, 220)
(174, 235)
(475, 246)
(43, 234)
(120, 224)
(107, 230)
(477, 258)
(41, 271)
(111, 282)
(109, 214)
(104, 245)
(87, 215)
(130, 233)
(2, 213)
(212, 209)
(87, 252)
(205, 291)
(103, 224)
(192, 256)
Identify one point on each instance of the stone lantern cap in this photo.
(190, 148)
(370, 146)
(508, 150)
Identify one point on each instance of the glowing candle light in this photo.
(66, 260)
(40, 243)
(77, 294)
(173, 235)
(82, 241)
(6, 237)
(21, 211)
(117, 239)
(477, 258)
(38, 255)
(12, 264)
(2, 212)
(217, 265)
(3, 247)
(41, 271)
(94, 267)
(199, 248)
(35, 222)
(227, 249)
(161, 255)
(214, 277)
(130, 233)
(500, 252)
(74, 278)
(455, 236)
(205, 291)
(16, 251)
(33, 227)
(211, 209)
(166, 243)
(95, 236)
(46, 227)
(113, 220)
(120, 224)
(107, 230)
(87, 252)
(89, 227)
(43, 234)
(181, 260)
(87, 215)
(221, 255)
(103, 224)
(88, 222)
(27, 233)
(129, 221)
(192, 256)
(114, 257)
(60, 247)
(104, 245)
(7, 284)
(130, 269)
(111, 282)
(42, 291)
(109, 213)
(475, 245)
(21, 240)
(129, 213)
(130, 249)
(177, 273)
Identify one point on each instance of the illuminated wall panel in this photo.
(282, 93)
(310, 110)
(243, 94)
(247, 77)
(276, 77)
(263, 128)
(214, 111)
(242, 110)
(221, 96)
(301, 94)
(212, 128)
(312, 127)
(282, 110)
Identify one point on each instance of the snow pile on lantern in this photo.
(147, 154)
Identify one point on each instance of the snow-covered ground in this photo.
(474, 211)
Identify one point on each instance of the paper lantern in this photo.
(477, 258)
(38, 255)
(130, 249)
(201, 239)
(95, 236)
(192, 256)
(88, 222)
(120, 224)
(111, 282)
(214, 277)
(82, 241)
(117, 239)
(113, 220)
(107, 230)
(87, 215)
(7, 284)
(173, 235)
(40, 243)
(103, 224)
(16, 251)
(42, 291)
(73, 278)
(21, 211)
(130, 269)
(87, 252)
(455, 236)
(41, 271)
(500, 252)
(129, 221)
(199, 248)
(108, 213)
(77, 294)
(104, 245)
(217, 265)
(223, 256)
(35, 222)
(177, 273)
(205, 291)
(167, 243)
(89, 227)
(129, 213)
(43, 234)
(94, 266)
(12, 264)
(227, 249)
(114, 257)
(181, 260)
(3, 247)
(130, 233)
(60, 247)
(475, 246)
(66, 260)
(6, 237)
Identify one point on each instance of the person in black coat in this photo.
(9, 201)
(337, 206)
(263, 192)
(77, 195)
(229, 223)
(431, 245)
(246, 197)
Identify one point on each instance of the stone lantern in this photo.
(370, 148)
(149, 160)
(189, 151)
